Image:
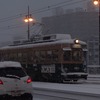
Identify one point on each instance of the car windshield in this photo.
(15, 71)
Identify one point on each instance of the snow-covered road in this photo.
(91, 86)
(88, 90)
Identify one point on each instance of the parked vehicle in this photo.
(14, 82)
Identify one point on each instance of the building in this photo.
(83, 25)
(93, 50)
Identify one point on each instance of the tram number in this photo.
(48, 68)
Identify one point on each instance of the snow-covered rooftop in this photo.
(60, 39)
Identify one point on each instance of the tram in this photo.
(50, 58)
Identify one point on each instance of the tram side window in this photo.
(14, 56)
(55, 55)
(8, 56)
(11, 56)
(36, 56)
(0, 57)
(52, 55)
(3, 56)
(24, 56)
(49, 55)
(43, 55)
(30, 56)
(20, 56)
(67, 55)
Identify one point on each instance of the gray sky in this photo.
(11, 26)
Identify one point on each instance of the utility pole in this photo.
(28, 25)
(28, 19)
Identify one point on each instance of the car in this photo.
(14, 82)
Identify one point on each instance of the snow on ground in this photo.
(84, 88)
(94, 76)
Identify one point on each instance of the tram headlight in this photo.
(76, 41)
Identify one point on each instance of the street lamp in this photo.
(97, 3)
(28, 19)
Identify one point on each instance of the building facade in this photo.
(82, 25)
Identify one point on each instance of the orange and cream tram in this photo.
(52, 58)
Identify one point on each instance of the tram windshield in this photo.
(73, 55)
(77, 55)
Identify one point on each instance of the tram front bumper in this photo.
(74, 76)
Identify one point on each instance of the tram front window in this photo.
(77, 55)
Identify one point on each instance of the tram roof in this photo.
(41, 43)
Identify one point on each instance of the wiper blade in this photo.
(13, 76)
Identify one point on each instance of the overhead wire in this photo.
(56, 5)
(69, 2)
(61, 4)
(11, 27)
